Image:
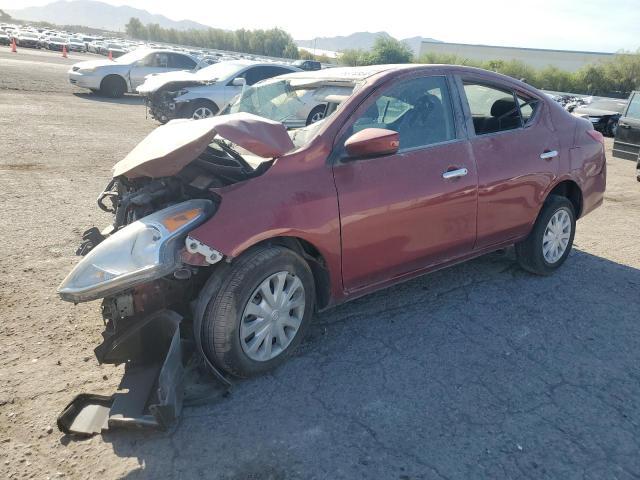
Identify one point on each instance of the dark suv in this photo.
(307, 64)
(627, 141)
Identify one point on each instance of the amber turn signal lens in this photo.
(178, 220)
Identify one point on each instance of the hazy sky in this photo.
(598, 25)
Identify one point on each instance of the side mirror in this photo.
(372, 142)
(239, 82)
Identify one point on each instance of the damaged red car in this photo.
(230, 232)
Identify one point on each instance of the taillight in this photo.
(597, 136)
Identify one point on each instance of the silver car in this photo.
(116, 77)
(206, 92)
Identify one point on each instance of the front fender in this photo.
(294, 198)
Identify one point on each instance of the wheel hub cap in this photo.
(272, 317)
(556, 236)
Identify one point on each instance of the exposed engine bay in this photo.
(161, 103)
(218, 166)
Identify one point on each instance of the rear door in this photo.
(517, 156)
(627, 141)
(157, 62)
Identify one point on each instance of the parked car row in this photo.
(176, 85)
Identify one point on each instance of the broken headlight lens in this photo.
(142, 251)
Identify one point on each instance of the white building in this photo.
(535, 57)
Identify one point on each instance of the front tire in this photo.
(549, 243)
(203, 109)
(316, 114)
(113, 86)
(259, 315)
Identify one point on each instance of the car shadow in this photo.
(477, 371)
(125, 100)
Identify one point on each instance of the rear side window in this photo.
(255, 74)
(181, 61)
(634, 107)
(493, 109)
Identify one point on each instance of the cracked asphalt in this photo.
(477, 371)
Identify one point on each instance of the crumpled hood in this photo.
(171, 147)
(152, 83)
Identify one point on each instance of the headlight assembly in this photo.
(87, 70)
(142, 251)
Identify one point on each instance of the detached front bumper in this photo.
(151, 391)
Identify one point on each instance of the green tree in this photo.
(355, 57)
(136, 29)
(389, 50)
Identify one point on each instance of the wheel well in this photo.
(314, 259)
(116, 76)
(571, 191)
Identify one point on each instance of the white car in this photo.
(116, 77)
(206, 92)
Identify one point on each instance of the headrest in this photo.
(502, 106)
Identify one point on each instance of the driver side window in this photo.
(418, 109)
(156, 60)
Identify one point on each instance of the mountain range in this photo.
(91, 13)
(96, 14)
(358, 40)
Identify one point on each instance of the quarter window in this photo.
(528, 108)
(493, 110)
(419, 110)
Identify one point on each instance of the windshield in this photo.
(219, 71)
(289, 99)
(133, 56)
(28, 35)
(56, 39)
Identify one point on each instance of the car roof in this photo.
(342, 73)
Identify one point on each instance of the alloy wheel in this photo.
(316, 117)
(272, 317)
(202, 112)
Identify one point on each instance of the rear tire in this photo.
(549, 243)
(113, 86)
(227, 316)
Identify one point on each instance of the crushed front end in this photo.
(149, 272)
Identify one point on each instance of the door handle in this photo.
(549, 154)
(449, 174)
(624, 125)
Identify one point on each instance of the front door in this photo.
(400, 213)
(157, 62)
(627, 142)
(517, 155)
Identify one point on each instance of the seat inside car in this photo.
(504, 116)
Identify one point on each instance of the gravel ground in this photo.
(477, 371)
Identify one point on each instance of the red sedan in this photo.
(245, 229)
